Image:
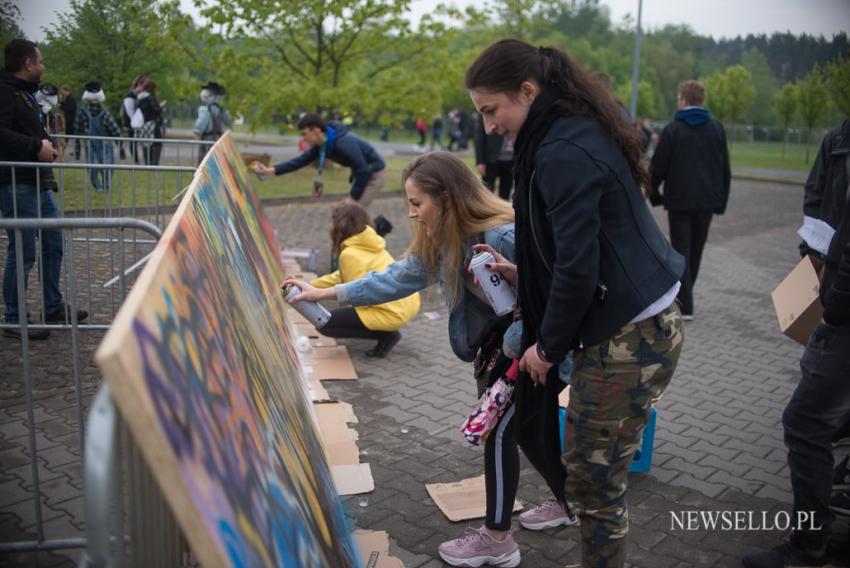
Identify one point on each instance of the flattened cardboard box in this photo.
(375, 549)
(350, 476)
(797, 301)
(325, 363)
(462, 500)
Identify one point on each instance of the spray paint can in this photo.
(313, 311)
(499, 293)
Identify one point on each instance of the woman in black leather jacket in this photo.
(596, 275)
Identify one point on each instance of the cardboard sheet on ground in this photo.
(340, 443)
(200, 364)
(462, 500)
(326, 363)
(375, 549)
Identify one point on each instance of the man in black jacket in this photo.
(820, 407)
(494, 158)
(24, 192)
(692, 161)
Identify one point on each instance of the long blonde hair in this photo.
(467, 209)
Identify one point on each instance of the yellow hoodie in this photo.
(362, 253)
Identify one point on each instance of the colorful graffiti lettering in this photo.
(215, 358)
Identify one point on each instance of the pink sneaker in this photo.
(476, 548)
(547, 515)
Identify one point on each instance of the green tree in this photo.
(646, 96)
(10, 14)
(739, 92)
(716, 99)
(112, 41)
(283, 56)
(812, 102)
(838, 83)
(785, 105)
(730, 95)
(765, 85)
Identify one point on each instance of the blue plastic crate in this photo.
(642, 462)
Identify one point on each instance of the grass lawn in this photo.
(770, 155)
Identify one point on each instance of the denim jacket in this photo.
(409, 275)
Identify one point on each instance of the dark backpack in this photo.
(215, 120)
(125, 119)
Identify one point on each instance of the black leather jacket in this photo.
(21, 132)
(602, 257)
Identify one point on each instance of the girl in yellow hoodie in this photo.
(362, 250)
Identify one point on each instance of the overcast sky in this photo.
(718, 18)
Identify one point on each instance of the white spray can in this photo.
(313, 311)
(498, 291)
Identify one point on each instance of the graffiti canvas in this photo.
(201, 367)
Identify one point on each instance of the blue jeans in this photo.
(27, 201)
(818, 409)
(100, 152)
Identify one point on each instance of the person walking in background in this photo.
(152, 124)
(212, 119)
(454, 129)
(95, 121)
(596, 276)
(360, 250)
(28, 192)
(422, 130)
(691, 161)
(333, 141)
(47, 98)
(494, 159)
(437, 132)
(68, 104)
(128, 110)
(818, 413)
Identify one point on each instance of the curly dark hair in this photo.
(506, 64)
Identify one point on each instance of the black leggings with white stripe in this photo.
(501, 472)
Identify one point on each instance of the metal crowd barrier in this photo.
(133, 149)
(134, 191)
(128, 522)
(106, 257)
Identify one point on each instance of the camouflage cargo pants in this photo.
(613, 388)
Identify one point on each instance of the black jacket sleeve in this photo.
(571, 183)
(727, 169)
(816, 182)
(10, 140)
(660, 164)
(836, 300)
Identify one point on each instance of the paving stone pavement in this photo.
(718, 442)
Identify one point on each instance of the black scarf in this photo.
(536, 407)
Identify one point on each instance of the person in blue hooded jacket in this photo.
(692, 162)
(333, 141)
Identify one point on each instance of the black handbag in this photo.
(484, 332)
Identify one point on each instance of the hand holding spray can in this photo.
(313, 311)
(496, 288)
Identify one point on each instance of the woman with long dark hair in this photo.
(596, 275)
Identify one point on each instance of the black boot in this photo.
(384, 345)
